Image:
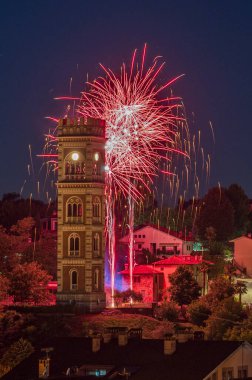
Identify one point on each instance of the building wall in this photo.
(145, 237)
(169, 269)
(243, 253)
(143, 284)
(241, 357)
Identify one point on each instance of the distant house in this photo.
(169, 266)
(146, 280)
(123, 357)
(49, 224)
(151, 280)
(243, 253)
(159, 241)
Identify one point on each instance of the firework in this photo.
(142, 128)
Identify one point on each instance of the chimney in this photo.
(96, 343)
(44, 368)
(106, 336)
(182, 336)
(122, 338)
(169, 345)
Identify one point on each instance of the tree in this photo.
(4, 287)
(28, 284)
(198, 312)
(240, 203)
(242, 331)
(16, 353)
(225, 315)
(184, 288)
(219, 289)
(167, 311)
(240, 288)
(216, 211)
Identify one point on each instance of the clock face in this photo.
(96, 156)
(75, 156)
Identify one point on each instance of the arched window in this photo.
(74, 210)
(96, 244)
(74, 245)
(96, 283)
(74, 166)
(96, 208)
(73, 279)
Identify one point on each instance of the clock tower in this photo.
(81, 213)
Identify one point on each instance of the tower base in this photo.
(84, 303)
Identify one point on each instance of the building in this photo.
(243, 254)
(49, 224)
(159, 241)
(146, 280)
(195, 263)
(151, 280)
(81, 213)
(124, 355)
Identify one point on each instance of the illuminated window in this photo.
(96, 244)
(74, 245)
(74, 166)
(74, 280)
(96, 164)
(74, 209)
(97, 208)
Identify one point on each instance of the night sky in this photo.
(45, 43)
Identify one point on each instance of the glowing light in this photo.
(96, 156)
(75, 156)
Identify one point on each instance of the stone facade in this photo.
(81, 213)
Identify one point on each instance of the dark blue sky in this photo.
(44, 43)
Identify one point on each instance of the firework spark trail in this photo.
(141, 130)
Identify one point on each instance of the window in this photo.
(96, 244)
(73, 280)
(139, 236)
(243, 372)
(74, 245)
(96, 170)
(97, 208)
(139, 246)
(227, 373)
(74, 210)
(135, 236)
(96, 279)
(143, 236)
(137, 279)
(74, 166)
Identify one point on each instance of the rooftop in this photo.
(144, 359)
(142, 269)
(182, 260)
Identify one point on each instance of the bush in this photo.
(167, 311)
(198, 312)
(127, 296)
